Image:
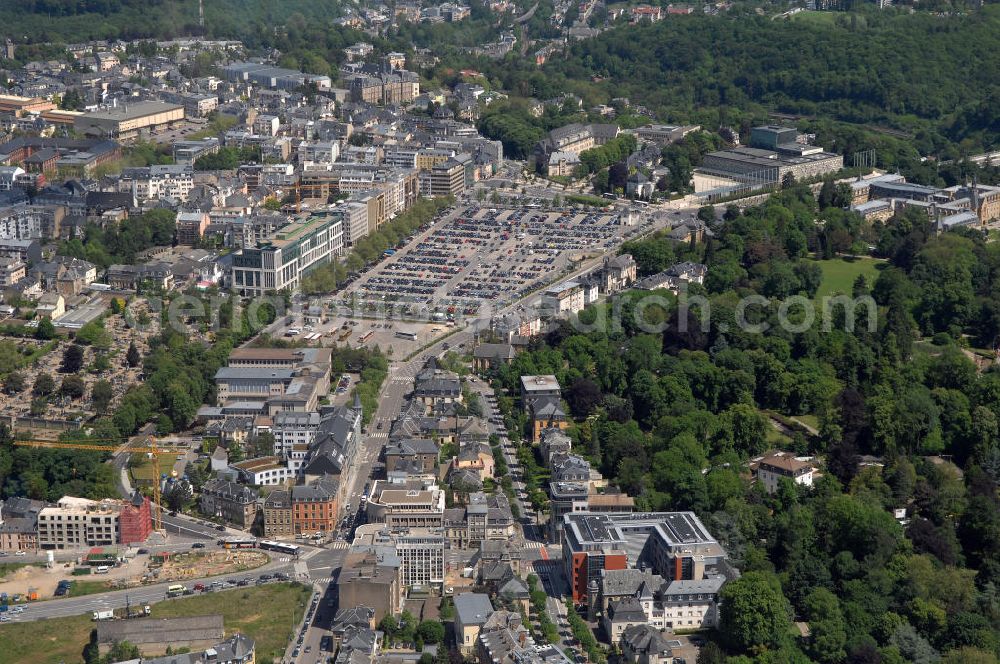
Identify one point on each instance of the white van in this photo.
(103, 569)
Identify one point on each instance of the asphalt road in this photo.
(324, 565)
(151, 594)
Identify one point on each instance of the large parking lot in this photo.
(485, 254)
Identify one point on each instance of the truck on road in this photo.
(104, 615)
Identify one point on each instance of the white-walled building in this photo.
(772, 468)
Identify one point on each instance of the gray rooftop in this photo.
(473, 608)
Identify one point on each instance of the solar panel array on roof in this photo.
(683, 529)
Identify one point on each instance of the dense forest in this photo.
(909, 71)
(674, 417)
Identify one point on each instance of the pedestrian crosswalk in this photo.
(323, 579)
(339, 544)
(533, 545)
(379, 434)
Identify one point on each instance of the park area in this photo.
(265, 613)
(839, 274)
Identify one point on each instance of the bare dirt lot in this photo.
(140, 570)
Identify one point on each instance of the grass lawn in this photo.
(839, 274)
(142, 469)
(89, 588)
(775, 438)
(266, 613)
(808, 420)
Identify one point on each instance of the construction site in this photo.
(40, 582)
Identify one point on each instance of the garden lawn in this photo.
(839, 274)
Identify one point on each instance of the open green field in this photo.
(809, 420)
(839, 274)
(142, 469)
(265, 613)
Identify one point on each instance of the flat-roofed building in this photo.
(447, 178)
(154, 635)
(355, 221)
(409, 505)
(130, 120)
(248, 383)
(78, 522)
(371, 576)
(292, 428)
(264, 471)
(420, 551)
(565, 298)
(664, 134)
(756, 166)
(19, 106)
(675, 545)
(280, 262)
(272, 77)
(12, 270)
(189, 227)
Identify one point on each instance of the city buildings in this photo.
(153, 183)
(276, 380)
(411, 504)
(573, 138)
(315, 506)
(372, 577)
(420, 453)
(541, 398)
(277, 78)
(277, 511)
(420, 552)
(675, 545)
(563, 299)
(232, 502)
(78, 522)
(280, 262)
(472, 610)
(129, 121)
(19, 524)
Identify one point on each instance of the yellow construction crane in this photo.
(152, 450)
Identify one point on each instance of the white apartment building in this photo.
(421, 552)
(772, 468)
(9, 177)
(156, 182)
(355, 221)
(265, 471)
(12, 270)
(293, 428)
(266, 125)
(279, 263)
(77, 522)
(322, 152)
(401, 156)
